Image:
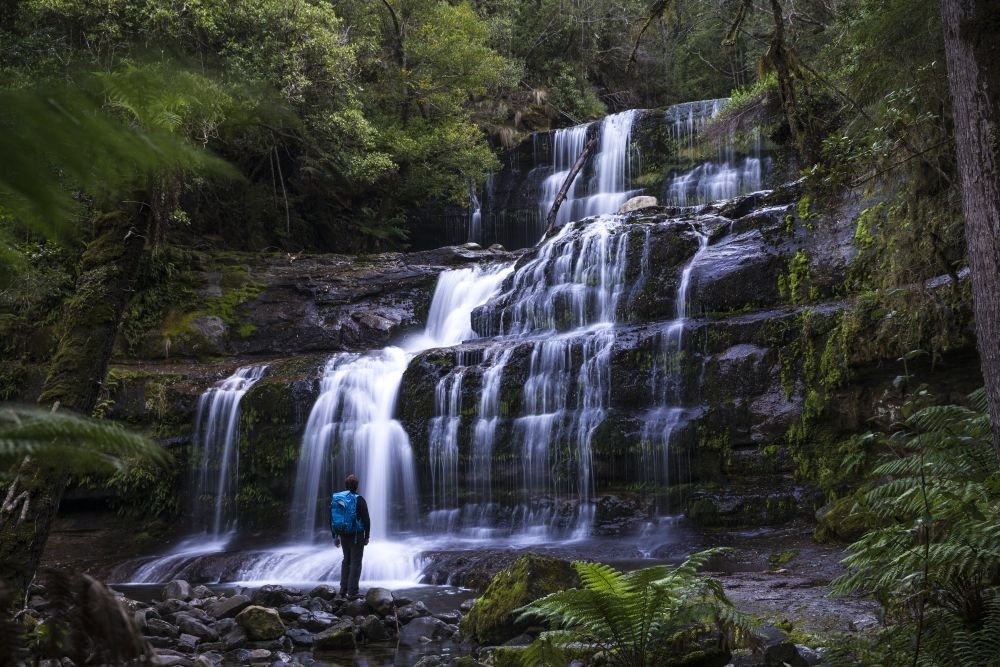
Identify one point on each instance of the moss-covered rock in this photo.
(841, 521)
(260, 623)
(492, 619)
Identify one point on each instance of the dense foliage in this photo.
(932, 556)
(645, 617)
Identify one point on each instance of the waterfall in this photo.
(722, 178)
(352, 428)
(444, 439)
(513, 208)
(661, 421)
(607, 188)
(215, 452)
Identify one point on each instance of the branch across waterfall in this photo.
(570, 177)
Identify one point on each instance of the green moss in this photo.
(783, 558)
(844, 521)
(492, 619)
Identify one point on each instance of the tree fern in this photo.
(637, 618)
(933, 560)
(77, 444)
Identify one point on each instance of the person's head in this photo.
(351, 483)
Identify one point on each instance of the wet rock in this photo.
(423, 627)
(401, 600)
(355, 608)
(449, 617)
(292, 612)
(207, 659)
(274, 596)
(160, 628)
(319, 620)
(380, 600)
(323, 591)
(784, 654)
(411, 611)
(176, 590)
(374, 629)
(319, 604)
(339, 636)
(810, 655)
(492, 619)
(299, 636)
(261, 623)
(235, 638)
(170, 660)
(637, 203)
(172, 606)
(229, 607)
(161, 642)
(467, 604)
(186, 643)
(201, 592)
(223, 626)
(191, 626)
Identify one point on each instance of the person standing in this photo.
(351, 527)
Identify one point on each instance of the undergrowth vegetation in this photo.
(931, 556)
(653, 616)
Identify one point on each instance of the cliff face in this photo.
(733, 418)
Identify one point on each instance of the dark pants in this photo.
(350, 569)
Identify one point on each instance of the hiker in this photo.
(351, 527)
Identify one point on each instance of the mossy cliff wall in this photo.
(774, 374)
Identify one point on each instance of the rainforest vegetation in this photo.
(143, 142)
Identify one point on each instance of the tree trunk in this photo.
(76, 372)
(971, 28)
(561, 195)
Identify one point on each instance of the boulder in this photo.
(380, 600)
(186, 643)
(189, 625)
(411, 611)
(839, 522)
(234, 639)
(208, 659)
(374, 629)
(355, 608)
(293, 612)
(274, 596)
(637, 203)
(318, 620)
(261, 623)
(339, 636)
(201, 592)
(323, 591)
(492, 619)
(299, 636)
(423, 627)
(160, 628)
(176, 590)
(229, 607)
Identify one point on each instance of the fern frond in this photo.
(71, 441)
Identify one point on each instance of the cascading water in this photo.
(562, 303)
(517, 199)
(215, 459)
(727, 175)
(352, 429)
(516, 463)
(215, 452)
(661, 421)
(607, 188)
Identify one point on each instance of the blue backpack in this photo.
(344, 514)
